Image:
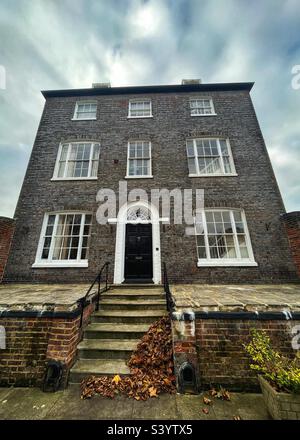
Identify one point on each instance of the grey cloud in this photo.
(72, 43)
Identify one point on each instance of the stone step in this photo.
(127, 316)
(97, 367)
(115, 331)
(137, 286)
(127, 295)
(114, 304)
(106, 348)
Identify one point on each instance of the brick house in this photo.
(229, 263)
(189, 136)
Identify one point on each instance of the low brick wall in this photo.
(7, 227)
(292, 224)
(31, 341)
(215, 346)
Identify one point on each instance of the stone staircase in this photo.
(125, 314)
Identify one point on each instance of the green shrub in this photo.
(281, 372)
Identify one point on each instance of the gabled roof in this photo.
(176, 88)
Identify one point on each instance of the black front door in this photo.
(138, 252)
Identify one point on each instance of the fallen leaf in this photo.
(116, 379)
(152, 392)
(213, 392)
(236, 418)
(207, 401)
(205, 410)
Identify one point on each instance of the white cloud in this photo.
(54, 44)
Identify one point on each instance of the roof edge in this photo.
(175, 88)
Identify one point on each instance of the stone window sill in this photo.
(239, 263)
(42, 265)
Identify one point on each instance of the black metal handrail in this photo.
(169, 297)
(99, 291)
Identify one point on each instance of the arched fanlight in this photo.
(138, 213)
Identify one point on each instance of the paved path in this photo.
(32, 403)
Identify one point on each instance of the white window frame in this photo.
(147, 176)
(222, 262)
(43, 263)
(76, 111)
(213, 113)
(139, 100)
(223, 174)
(65, 177)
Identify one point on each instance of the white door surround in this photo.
(126, 215)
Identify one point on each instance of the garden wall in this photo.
(213, 344)
(33, 340)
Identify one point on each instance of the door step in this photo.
(128, 316)
(111, 331)
(106, 348)
(114, 304)
(127, 295)
(97, 367)
(133, 286)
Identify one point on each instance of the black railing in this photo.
(97, 280)
(169, 298)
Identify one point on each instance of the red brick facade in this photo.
(215, 349)
(31, 342)
(7, 226)
(292, 223)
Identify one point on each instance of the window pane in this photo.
(64, 152)
(223, 145)
(131, 167)
(244, 252)
(132, 150)
(87, 151)
(192, 166)
(94, 171)
(200, 149)
(239, 228)
(200, 240)
(214, 252)
(61, 169)
(202, 166)
(237, 216)
(190, 149)
(96, 152)
(201, 252)
(88, 219)
(214, 147)
(45, 253)
(227, 165)
(84, 253)
(146, 152)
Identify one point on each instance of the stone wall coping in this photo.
(7, 219)
(269, 298)
(294, 215)
(41, 299)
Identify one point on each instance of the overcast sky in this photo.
(53, 44)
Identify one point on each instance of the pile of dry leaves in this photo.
(151, 367)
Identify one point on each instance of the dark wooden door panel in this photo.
(138, 251)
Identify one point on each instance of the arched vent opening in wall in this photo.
(187, 379)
